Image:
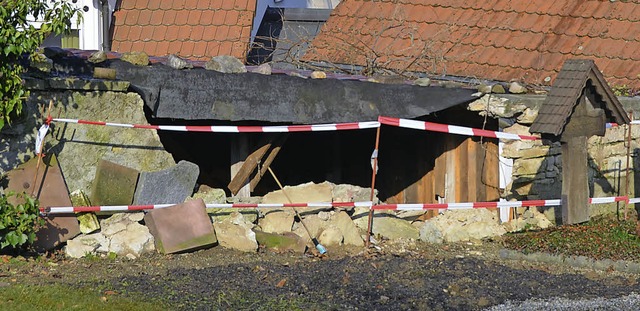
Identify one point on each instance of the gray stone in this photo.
(431, 233)
(98, 57)
(330, 236)
(517, 88)
(422, 82)
(136, 58)
(169, 186)
(82, 84)
(176, 62)
(277, 221)
(226, 64)
(264, 69)
(41, 62)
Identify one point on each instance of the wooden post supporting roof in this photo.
(579, 105)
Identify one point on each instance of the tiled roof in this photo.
(490, 39)
(194, 29)
(563, 97)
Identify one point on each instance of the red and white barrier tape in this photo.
(399, 207)
(237, 129)
(472, 205)
(445, 128)
(129, 208)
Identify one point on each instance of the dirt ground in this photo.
(398, 276)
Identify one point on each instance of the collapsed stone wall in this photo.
(537, 165)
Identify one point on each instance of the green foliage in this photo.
(18, 37)
(598, 239)
(18, 222)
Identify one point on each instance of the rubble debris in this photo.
(235, 232)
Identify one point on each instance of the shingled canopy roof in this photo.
(566, 92)
(502, 40)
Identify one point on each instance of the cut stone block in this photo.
(114, 184)
(180, 228)
(170, 186)
(51, 191)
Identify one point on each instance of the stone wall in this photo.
(537, 165)
(80, 147)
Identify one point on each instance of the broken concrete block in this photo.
(114, 184)
(288, 241)
(180, 228)
(51, 190)
(88, 221)
(170, 186)
(277, 221)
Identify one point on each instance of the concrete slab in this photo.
(170, 186)
(181, 228)
(51, 190)
(114, 184)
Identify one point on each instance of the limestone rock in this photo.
(461, 225)
(387, 225)
(351, 193)
(517, 88)
(135, 240)
(347, 228)
(86, 244)
(318, 75)
(330, 236)
(235, 233)
(495, 107)
(88, 222)
(288, 241)
(422, 82)
(277, 221)
(176, 62)
(136, 58)
(264, 69)
(98, 57)
(528, 116)
(210, 195)
(304, 193)
(226, 64)
(498, 89)
(483, 88)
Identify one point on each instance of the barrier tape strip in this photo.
(454, 129)
(126, 208)
(237, 129)
(472, 205)
(399, 207)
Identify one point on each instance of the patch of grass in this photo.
(250, 301)
(600, 238)
(60, 297)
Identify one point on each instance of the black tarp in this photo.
(199, 94)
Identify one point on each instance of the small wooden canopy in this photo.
(579, 82)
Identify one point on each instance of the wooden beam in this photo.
(244, 168)
(276, 145)
(575, 185)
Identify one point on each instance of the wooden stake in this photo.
(626, 191)
(373, 187)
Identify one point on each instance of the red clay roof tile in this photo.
(189, 28)
(489, 39)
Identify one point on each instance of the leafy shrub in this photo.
(18, 222)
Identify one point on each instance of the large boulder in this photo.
(462, 225)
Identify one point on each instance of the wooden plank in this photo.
(575, 186)
(462, 171)
(439, 169)
(490, 171)
(276, 145)
(474, 174)
(450, 169)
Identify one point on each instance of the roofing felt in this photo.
(284, 97)
(503, 40)
(565, 92)
(194, 29)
